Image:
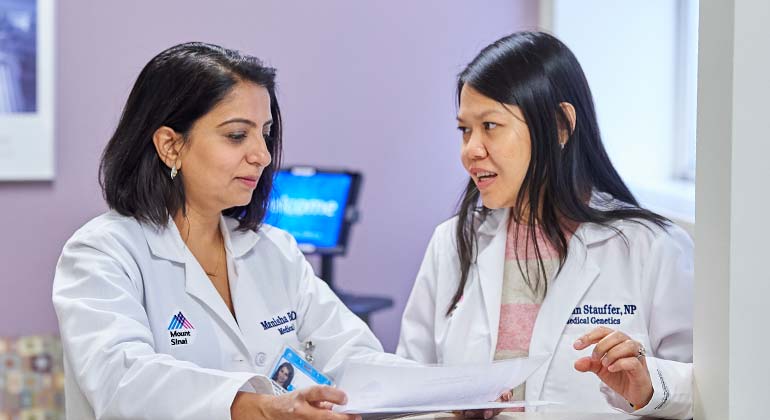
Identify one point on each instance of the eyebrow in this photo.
(482, 115)
(243, 121)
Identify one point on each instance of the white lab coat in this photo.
(653, 270)
(119, 285)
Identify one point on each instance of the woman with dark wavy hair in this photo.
(173, 304)
(284, 375)
(550, 253)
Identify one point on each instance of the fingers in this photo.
(318, 394)
(339, 416)
(592, 337)
(323, 414)
(329, 415)
(479, 414)
(586, 364)
(505, 396)
(608, 343)
(492, 413)
(323, 405)
(610, 346)
(604, 338)
(627, 364)
(628, 348)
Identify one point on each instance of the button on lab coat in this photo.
(646, 275)
(147, 336)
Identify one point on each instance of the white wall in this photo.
(731, 340)
(630, 52)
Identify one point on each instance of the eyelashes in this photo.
(241, 136)
(488, 126)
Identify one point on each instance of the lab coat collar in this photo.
(238, 242)
(592, 233)
(166, 241)
(496, 221)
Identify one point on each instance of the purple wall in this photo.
(365, 85)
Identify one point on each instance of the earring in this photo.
(174, 171)
(562, 146)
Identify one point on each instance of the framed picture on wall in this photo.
(26, 90)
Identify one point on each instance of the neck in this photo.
(523, 217)
(198, 226)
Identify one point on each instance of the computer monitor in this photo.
(316, 206)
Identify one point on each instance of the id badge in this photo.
(292, 372)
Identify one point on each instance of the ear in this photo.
(168, 143)
(569, 111)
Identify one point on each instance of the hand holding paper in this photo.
(376, 388)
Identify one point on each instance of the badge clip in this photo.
(309, 348)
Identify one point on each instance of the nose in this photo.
(259, 154)
(474, 149)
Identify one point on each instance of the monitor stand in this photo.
(361, 305)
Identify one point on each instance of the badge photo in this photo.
(292, 372)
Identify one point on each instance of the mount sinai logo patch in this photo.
(181, 331)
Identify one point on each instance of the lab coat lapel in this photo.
(167, 243)
(568, 289)
(198, 285)
(490, 263)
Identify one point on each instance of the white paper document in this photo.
(378, 388)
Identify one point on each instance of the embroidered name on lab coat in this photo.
(280, 321)
(601, 314)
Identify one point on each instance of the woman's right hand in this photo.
(309, 403)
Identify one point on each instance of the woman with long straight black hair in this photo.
(550, 253)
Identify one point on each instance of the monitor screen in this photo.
(312, 205)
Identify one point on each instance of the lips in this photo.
(482, 177)
(250, 182)
(480, 174)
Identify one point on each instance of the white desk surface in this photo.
(537, 416)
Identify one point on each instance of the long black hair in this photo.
(175, 89)
(537, 73)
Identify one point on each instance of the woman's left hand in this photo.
(619, 362)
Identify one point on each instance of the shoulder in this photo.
(108, 243)
(636, 232)
(444, 238)
(647, 235)
(641, 244)
(107, 230)
(446, 229)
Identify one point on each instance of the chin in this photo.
(240, 201)
(493, 205)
